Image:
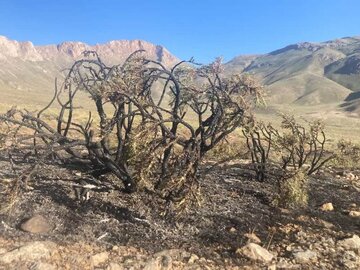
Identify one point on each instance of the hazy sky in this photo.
(203, 29)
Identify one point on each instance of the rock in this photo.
(350, 176)
(100, 258)
(193, 258)
(327, 207)
(353, 205)
(114, 266)
(31, 252)
(305, 256)
(37, 224)
(2, 251)
(115, 248)
(354, 213)
(352, 243)
(255, 252)
(252, 238)
(232, 230)
(44, 266)
(326, 224)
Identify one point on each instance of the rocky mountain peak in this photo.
(112, 52)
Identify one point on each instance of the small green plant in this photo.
(347, 155)
(293, 190)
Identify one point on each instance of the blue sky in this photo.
(203, 29)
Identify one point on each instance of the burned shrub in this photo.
(259, 143)
(301, 146)
(293, 152)
(151, 125)
(292, 147)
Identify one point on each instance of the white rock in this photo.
(193, 258)
(100, 258)
(354, 213)
(327, 207)
(255, 252)
(31, 252)
(305, 256)
(350, 243)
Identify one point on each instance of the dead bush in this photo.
(292, 147)
(152, 125)
(293, 152)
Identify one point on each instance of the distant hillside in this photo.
(307, 73)
(27, 72)
(302, 74)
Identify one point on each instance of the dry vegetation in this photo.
(179, 146)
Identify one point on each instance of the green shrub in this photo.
(293, 191)
(347, 155)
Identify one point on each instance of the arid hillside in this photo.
(27, 72)
(307, 73)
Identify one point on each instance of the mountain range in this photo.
(308, 73)
(27, 72)
(302, 74)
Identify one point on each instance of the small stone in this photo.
(327, 207)
(305, 256)
(353, 205)
(252, 238)
(232, 230)
(352, 243)
(30, 252)
(350, 176)
(193, 258)
(115, 248)
(255, 252)
(2, 251)
(37, 224)
(354, 213)
(326, 224)
(100, 258)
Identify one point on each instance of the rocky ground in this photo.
(235, 227)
